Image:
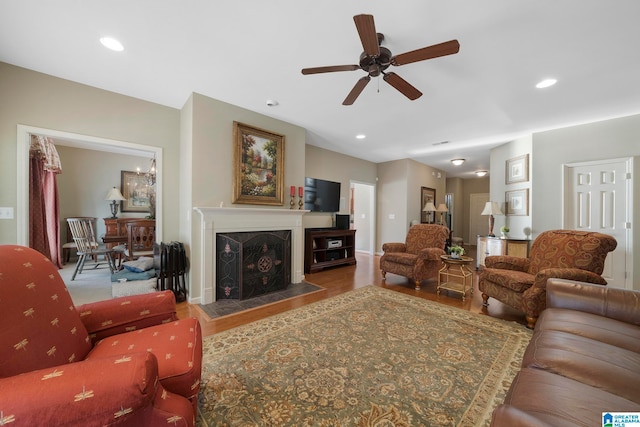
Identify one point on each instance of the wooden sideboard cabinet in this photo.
(116, 231)
(328, 247)
(498, 246)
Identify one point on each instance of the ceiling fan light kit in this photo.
(376, 59)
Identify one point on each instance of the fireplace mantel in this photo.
(224, 220)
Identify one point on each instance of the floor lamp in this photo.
(491, 209)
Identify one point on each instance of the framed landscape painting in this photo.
(135, 190)
(258, 166)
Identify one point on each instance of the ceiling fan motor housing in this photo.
(374, 65)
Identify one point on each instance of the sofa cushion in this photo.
(586, 360)
(561, 401)
(49, 332)
(517, 281)
(593, 326)
(178, 349)
(401, 258)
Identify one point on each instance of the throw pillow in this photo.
(139, 265)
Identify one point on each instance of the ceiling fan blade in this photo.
(368, 36)
(402, 85)
(357, 89)
(330, 69)
(429, 52)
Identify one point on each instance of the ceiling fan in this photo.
(376, 59)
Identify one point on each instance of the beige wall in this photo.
(519, 225)
(609, 139)
(209, 170)
(332, 166)
(86, 177)
(399, 196)
(38, 100)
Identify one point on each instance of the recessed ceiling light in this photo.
(361, 136)
(457, 162)
(546, 83)
(481, 173)
(111, 43)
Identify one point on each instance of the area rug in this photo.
(370, 357)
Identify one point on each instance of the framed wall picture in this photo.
(135, 189)
(258, 166)
(517, 202)
(517, 169)
(427, 195)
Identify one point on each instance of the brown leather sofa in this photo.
(583, 359)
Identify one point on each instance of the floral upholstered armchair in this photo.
(126, 361)
(418, 258)
(563, 254)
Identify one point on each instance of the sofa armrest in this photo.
(119, 315)
(90, 392)
(614, 303)
(394, 247)
(506, 262)
(510, 416)
(431, 254)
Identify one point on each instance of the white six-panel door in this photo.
(598, 198)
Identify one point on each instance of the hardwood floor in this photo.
(343, 279)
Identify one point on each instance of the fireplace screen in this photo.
(254, 263)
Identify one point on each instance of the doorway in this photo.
(79, 141)
(362, 213)
(598, 197)
(477, 223)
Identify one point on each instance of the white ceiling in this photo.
(245, 52)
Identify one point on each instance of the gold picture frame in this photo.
(517, 202)
(135, 189)
(517, 169)
(258, 166)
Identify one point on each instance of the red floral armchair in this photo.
(418, 258)
(564, 254)
(126, 361)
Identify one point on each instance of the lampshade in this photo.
(429, 207)
(491, 208)
(442, 208)
(114, 194)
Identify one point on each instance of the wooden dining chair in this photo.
(84, 236)
(141, 235)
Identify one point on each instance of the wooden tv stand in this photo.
(328, 247)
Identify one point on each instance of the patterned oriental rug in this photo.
(370, 357)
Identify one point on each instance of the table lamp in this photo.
(491, 209)
(428, 208)
(115, 196)
(442, 208)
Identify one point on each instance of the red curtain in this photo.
(44, 210)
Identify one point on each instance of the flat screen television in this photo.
(321, 195)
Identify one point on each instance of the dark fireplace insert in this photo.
(252, 263)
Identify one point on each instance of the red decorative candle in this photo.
(300, 191)
(293, 191)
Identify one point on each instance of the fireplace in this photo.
(224, 220)
(253, 263)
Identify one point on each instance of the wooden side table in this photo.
(455, 268)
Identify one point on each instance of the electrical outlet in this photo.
(6, 213)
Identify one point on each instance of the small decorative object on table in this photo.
(504, 230)
(456, 251)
